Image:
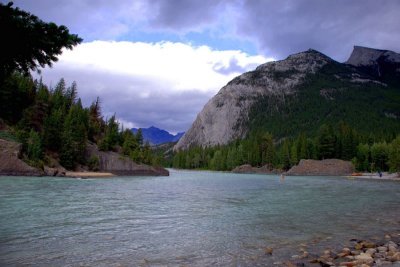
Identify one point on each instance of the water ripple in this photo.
(189, 218)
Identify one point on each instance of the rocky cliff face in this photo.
(224, 117)
(378, 63)
(365, 56)
(11, 164)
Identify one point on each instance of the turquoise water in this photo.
(188, 218)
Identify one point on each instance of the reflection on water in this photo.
(188, 218)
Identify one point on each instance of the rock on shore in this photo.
(247, 168)
(362, 253)
(333, 167)
(119, 165)
(11, 164)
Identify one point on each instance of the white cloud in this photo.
(180, 65)
(129, 75)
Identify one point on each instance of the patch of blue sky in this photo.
(194, 38)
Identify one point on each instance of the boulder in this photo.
(364, 258)
(11, 164)
(331, 167)
(121, 165)
(247, 168)
(58, 172)
(395, 257)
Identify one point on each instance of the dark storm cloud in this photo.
(186, 14)
(278, 28)
(281, 28)
(333, 27)
(99, 19)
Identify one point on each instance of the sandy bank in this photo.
(367, 175)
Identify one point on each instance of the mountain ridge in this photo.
(273, 86)
(157, 136)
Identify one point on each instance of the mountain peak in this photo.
(307, 61)
(156, 136)
(224, 116)
(365, 56)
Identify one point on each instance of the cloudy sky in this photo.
(157, 62)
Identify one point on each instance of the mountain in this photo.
(156, 136)
(383, 64)
(301, 93)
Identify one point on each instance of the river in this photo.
(189, 218)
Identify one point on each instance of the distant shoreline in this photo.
(89, 174)
(375, 176)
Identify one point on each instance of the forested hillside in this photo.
(328, 97)
(51, 122)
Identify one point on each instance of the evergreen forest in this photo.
(367, 152)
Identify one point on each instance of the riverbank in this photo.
(109, 164)
(89, 174)
(375, 176)
(377, 251)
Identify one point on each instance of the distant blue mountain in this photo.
(156, 136)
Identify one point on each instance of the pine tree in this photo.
(111, 137)
(293, 154)
(302, 147)
(379, 155)
(326, 142)
(51, 130)
(267, 149)
(30, 43)
(139, 137)
(147, 155)
(34, 147)
(74, 137)
(394, 155)
(96, 123)
(130, 143)
(363, 157)
(285, 156)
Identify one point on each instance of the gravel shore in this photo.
(359, 253)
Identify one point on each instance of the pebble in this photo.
(371, 251)
(382, 249)
(365, 253)
(268, 250)
(395, 257)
